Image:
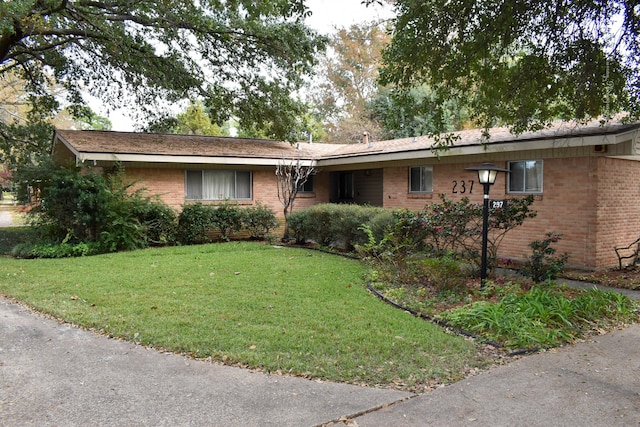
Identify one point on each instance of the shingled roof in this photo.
(129, 146)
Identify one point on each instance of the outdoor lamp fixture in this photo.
(487, 174)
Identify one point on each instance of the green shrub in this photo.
(259, 220)
(57, 250)
(543, 264)
(338, 225)
(159, 222)
(73, 203)
(442, 228)
(195, 224)
(80, 206)
(444, 273)
(298, 227)
(318, 225)
(226, 219)
(542, 317)
(380, 223)
(401, 241)
(122, 230)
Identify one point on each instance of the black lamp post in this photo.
(487, 174)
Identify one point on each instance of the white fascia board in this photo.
(196, 160)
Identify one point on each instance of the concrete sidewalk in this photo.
(55, 374)
(595, 383)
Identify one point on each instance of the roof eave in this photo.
(476, 148)
(173, 159)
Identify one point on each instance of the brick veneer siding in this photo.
(395, 190)
(566, 206)
(167, 183)
(592, 201)
(618, 207)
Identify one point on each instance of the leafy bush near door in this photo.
(444, 229)
(339, 225)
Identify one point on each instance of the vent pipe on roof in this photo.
(365, 137)
(298, 146)
(310, 138)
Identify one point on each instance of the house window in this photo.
(309, 186)
(421, 179)
(525, 177)
(218, 185)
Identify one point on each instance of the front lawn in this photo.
(282, 310)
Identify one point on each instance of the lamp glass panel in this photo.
(483, 176)
(492, 176)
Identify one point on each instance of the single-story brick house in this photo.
(585, 178)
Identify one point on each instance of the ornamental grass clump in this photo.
(543, 317)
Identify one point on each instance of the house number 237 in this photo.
(462, 186)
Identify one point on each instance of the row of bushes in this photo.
(81, 212)
(441, 239)
(142, 223)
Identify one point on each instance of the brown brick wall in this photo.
(164, 182)
(395, 190)
(566, 205)
(618, 205)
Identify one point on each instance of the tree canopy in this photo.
(416, 111)
(348, 81)
(244, 58)
(518, 62)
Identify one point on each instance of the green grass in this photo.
(278, 309)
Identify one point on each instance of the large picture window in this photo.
(218, 185)
(525, 177)
(421, 179)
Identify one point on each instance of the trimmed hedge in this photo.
(197, 223)
(339, 225)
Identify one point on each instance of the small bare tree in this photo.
(292, 175)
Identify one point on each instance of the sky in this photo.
(326, 16)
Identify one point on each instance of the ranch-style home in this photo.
(585, 177)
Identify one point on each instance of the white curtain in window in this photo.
(421, 179)
(427, 179)
(218, 185)
(533, 176)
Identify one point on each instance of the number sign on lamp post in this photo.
(487, 174)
